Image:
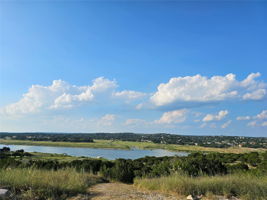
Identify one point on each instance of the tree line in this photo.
(162, 138)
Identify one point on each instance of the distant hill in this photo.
(162, 138)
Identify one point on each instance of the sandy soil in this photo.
(120, 191)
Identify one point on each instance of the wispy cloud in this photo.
(243, 118)
(226, 124)
(259, 119)
(216, 117)
(106, 120)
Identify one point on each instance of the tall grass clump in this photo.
(244, 186)
(44, 184)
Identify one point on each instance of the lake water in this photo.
(110, 154)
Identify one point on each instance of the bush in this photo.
(201, 164)
(122, 171)
(237, 167)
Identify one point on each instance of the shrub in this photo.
(122, 171)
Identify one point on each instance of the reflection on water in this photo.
(110, 154)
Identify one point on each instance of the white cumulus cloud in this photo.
(176, 116)
(84, 93)
(255, 95)
(202, 89)
(62, 95)
(216, 117)
(38, 97)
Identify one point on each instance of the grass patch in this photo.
(186, 148)
(244, 186)
(53, 157)
(44, 184)
(110, 144)
(105, 144)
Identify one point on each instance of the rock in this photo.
(226, 198)
(190, 197)
(3, 192)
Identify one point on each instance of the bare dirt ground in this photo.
(120, 191)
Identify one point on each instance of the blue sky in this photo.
(146, 66)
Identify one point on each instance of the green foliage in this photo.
(232, 168)
(197, 163)
(123, 171)
(161, 169)
(253, 158)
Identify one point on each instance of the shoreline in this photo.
(128, 145)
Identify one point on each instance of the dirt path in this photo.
(120, 191)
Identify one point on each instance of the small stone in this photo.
(190, 197)
(222, 198)
(3, 192)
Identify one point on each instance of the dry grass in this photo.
(43, 184)
(243, 186)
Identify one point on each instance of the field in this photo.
(54, 156)
(110, 144)
(243, 186)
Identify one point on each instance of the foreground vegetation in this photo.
(30, 183)
(242, 175)
(117, 144)
(244, 186)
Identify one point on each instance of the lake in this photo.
(110, 154)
